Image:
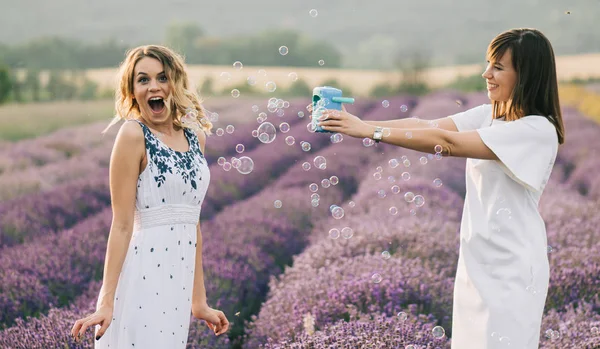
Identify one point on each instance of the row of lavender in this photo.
(245, 244)
(62, 206)
(450, 179)
(392, 273)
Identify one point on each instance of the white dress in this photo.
(152, 305)
(503, 271)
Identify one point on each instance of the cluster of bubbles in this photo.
(345, 232)
(336, 211)
(229, 129)
(243, 165)
(270, 86)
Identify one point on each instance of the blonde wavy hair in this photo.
(178, 103)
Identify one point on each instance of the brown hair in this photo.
(536, 89)
(181, 98)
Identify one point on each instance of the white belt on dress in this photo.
(166, 215)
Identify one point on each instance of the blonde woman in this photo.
(153, 275)
(511, 145)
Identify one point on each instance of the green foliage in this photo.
(187, 38)
(384, 89)
(299, 88)
(182, 36)
(206, 89)
(471, 83)
(5, 83)
(32, 83)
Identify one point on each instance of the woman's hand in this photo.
(343, 122)
(215, 319)
(102, 316)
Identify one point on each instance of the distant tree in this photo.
(206, 89)
(413, 67)
(299, 88)
(59, 87)
(384, 89)
(32, 83)
(5, 83)
(181, 36)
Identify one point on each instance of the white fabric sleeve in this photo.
(526, 147)
(473, 118)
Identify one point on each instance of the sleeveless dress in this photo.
(152, 305)
(503, 271)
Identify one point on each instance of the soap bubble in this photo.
(238, 65)
(321, 62)
(320, 162)
(438, 332)
(334, 180)
(246, 165)
(376, 278)
(225, 76)
(385, 255)
(419, 200)
(334, 233)
(347, 232)
(293, 76)
(251, 80)
(284, 127)
(266, 132)
(409, 196)
(271, 86)
(277, 204)
(336, 138)
(283, 50)
(337, 212)
(290, 140)
(313, 13)
(403, 108)
(306, 166)
(240, 148)
(385, 103)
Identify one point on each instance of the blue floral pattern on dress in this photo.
(172, 161)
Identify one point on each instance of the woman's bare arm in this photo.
(127, 154)
(444, 123)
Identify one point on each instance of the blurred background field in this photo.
(287, 269)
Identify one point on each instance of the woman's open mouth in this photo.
(157, 105)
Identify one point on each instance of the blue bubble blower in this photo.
(326, 97)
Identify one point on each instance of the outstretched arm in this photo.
(444, 123)
(466, 144)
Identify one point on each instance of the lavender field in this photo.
(329, 242)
